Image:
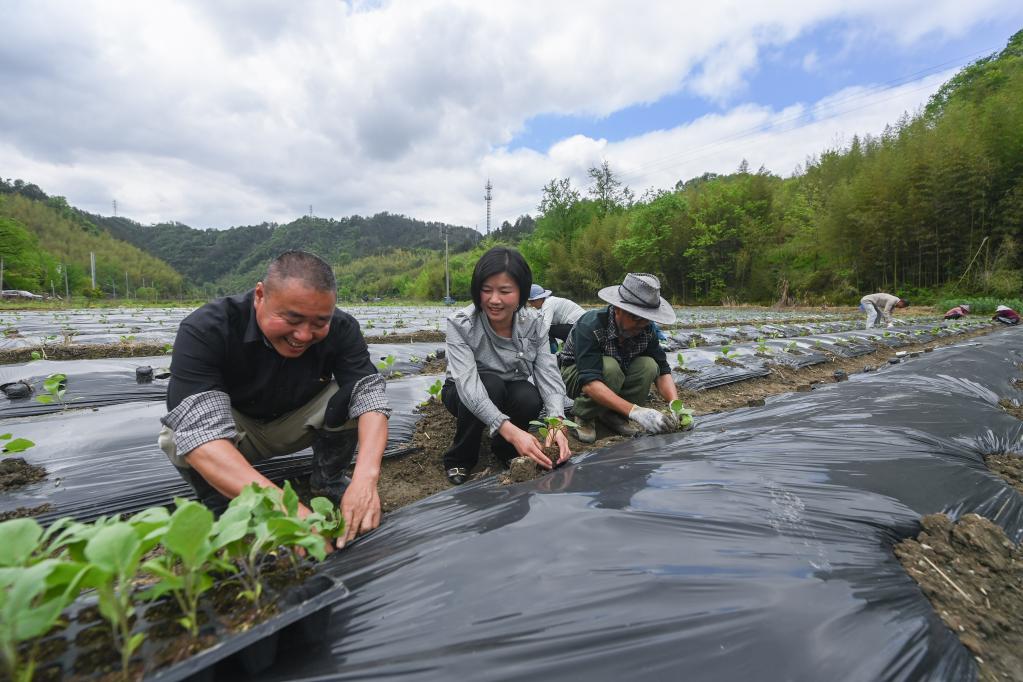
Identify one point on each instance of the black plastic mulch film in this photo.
(756, 547)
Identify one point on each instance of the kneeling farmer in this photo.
(613, 355)
(271, 372)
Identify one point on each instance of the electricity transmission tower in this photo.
(488, 196)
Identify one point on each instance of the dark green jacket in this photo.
(588, 340)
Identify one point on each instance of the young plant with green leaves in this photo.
(187, 567)
(683, 415)
(10, 445)
(792, 347)
(727, 353)
(433, 391)
(55, 386)
(681, 359)
(762, 346)
(549, 427)
(114, 554)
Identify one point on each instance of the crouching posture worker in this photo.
(271, 372)
(500, 371)
(1006, 315)
(613, 355)
(559, 314)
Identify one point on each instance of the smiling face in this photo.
(499, 299)
(293, 316)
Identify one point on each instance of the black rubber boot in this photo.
(332, 455)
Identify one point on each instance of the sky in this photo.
(236, 112)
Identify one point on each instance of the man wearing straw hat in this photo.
(613, 355)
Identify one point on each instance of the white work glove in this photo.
(891, 324)
(653, 421)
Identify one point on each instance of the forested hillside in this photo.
(42, 238)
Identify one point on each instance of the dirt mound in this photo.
(16, 472)
(972, 575)
(1009, 466)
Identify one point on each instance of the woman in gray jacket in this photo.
(500, 371)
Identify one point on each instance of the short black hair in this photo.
(495, 261)
(309, 269)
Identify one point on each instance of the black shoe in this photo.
(332, 454)
(457, 475)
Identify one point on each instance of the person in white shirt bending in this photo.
(559, 314)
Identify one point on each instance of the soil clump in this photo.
(23, 512)
(16, 472)
(971, 573)
(1009, 466)
(408, 337)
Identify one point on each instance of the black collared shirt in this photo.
(219, 347)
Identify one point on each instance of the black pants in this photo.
(518, 399)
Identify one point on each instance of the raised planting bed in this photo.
(164, 595)
(971, 573)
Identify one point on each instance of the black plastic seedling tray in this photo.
(303, 620)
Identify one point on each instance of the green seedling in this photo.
(681, 359)
(185, 570)
(369, 324)
(414, 358)
(818, 344)
(167, 348)
(762, 346)
(385, 365)
(114, 553)
(727, 352)
(31, 601)
(127, 339)
(684, 416)
(692, 342)
(55, 386)
(792, 346)
(434, 390)
(549, 427)
(10, 444)
(886, 334)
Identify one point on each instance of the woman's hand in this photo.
(525, 444)
(564, 451)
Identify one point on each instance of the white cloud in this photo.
(236, 112)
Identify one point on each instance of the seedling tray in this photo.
(303, 620)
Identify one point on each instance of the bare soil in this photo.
(1009, 466)
(972, 574)
(84, 351)
(407, 337)
(406, 479)
(23, 512)
(16, 472)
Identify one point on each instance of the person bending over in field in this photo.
(559, 314)
(1006, 315)
(271, 372)
(959, 312)
(879, 307)
(500, 372)
(613, 355)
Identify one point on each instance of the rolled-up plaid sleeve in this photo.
(199, 419)
(369, 395)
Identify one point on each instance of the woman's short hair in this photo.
(495, 261)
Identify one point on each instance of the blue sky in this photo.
(784, 77)
(410, 106)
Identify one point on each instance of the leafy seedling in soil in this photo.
(55, 386)
(692, 342)
(186, 569)
(127, 340)
(31, 601)
(10, 444)
(727, 353)
(434, 390)
(114, 554)
(548, 428)
(792, 347)
(167, 348)
(762, 346)
(681, 360)
(385, 365)
(684, 416)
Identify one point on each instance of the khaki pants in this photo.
(258, 440)
(633, 385)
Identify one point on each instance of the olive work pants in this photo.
(259, 441)
(632, 385)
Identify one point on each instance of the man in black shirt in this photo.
(271, 372)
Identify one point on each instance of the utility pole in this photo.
(1, 276)
(126, 284)
(310, 210)
(488, 196)
(92, 263)
(115, 208)
(67, 289)
(447, 272)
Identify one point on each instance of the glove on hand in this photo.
(652, 421)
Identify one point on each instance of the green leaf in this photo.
(6, 436)
(18, 445)
(44, 399)
(135, 641)
(114, 549)
(290, 499)
(322, 506)
(188, 532)
(18, 539)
